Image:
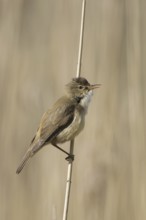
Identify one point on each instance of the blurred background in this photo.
(38, 56)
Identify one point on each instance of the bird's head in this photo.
(80, 88)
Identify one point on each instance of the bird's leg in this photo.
(70, 157)
(60, 149)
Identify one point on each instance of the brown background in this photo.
(38, 56)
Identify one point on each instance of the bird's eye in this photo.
(80, 87)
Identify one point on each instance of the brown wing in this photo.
(53, 122)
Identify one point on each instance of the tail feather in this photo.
(33, 149)
(24, 161)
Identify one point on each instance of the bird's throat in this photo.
(86, 100)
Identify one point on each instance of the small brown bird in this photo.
(64, 121)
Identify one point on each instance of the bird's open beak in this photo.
(95, 86)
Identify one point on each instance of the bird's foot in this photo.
(70, 158)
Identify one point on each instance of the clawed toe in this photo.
(70, 158)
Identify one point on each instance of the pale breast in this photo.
(73, 129)
(86, 100)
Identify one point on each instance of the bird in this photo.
(64, 120)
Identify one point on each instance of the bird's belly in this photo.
(72, 130)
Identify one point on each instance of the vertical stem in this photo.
(68, 183)
(70, 163)
(78, 73)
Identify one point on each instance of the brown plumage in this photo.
(64, 120)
